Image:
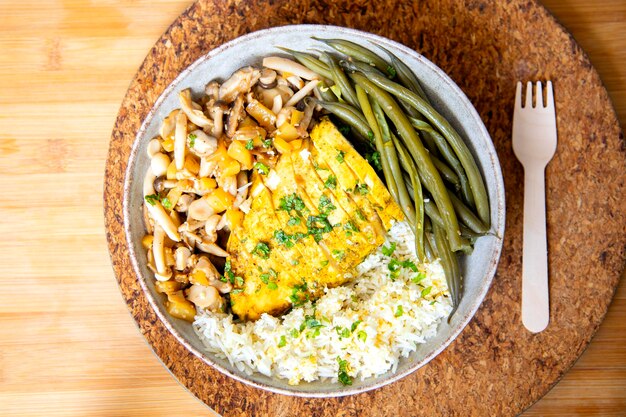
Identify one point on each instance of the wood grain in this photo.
(67, 344)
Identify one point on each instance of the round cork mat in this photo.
(495, 367)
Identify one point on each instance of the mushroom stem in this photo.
(180, 140)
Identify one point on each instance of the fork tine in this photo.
(529, 95)
(539, 96)
(550, 96)
(518, 95)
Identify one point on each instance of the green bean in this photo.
(360, 53)
(460, 148)
(341, 81)
(464, 214)
(427, 171)
(382, 122)
(405, 75)
(350, 116)
(450, 266)
(310, 62)
(325, 92)
(467, 217)
(431, 256)
(404, 202)
(368, 69)
(417, 197)
(446, 172)
(378, 139)
(450, 157)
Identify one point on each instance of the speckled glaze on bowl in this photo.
(478, 268)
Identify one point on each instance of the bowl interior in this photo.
(478, 268)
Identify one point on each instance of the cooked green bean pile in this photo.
(426, 165)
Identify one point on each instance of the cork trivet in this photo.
(495, 367)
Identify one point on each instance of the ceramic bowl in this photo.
(478, 268)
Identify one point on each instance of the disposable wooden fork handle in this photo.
(535, 298)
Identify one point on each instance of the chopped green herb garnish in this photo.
(319, 168)
(360, 215)
(192, 139)
(342, 374)
(166, 203)
(228, 273)
(272, 285)
(299, 294)
(394, 265)
(291, 202)
(293, 221)
(325, 206)
(262, 250)
(311, 322)
(152, 199)
(261, 168)
(236, 291)
(350, 226)
(265, 278)
(362, 189)
(324, 263)
(239, 281)
(388, 250)
(340, 157)
(282, 342)
(317, 226)
(331, 182)
(343, 332)
(420, 276)
(344, 130)
(399, 311)
(361, 335)
(410, 265)
(370, 135)
(374, 160)
(250, 144)
(426, 291)
(355, 325)
(391, 71)
(283, 238)
(267, 143)
(294, 262)
(339, 254)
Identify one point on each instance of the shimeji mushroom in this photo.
(212, 248)
(154, 146)
(196, 116)
(234, 115)
(240, 82)
(217, 110)
(200, 210)
(163, 272)
(169, 124)
(156, 210)
(287, 65)
(210, 227)
(203, 296)
(181, 254)
(180, 140)
(202, 144)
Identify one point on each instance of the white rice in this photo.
(384, 331)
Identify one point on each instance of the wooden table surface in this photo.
(68, 346)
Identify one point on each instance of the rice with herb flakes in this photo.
(358, 330)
